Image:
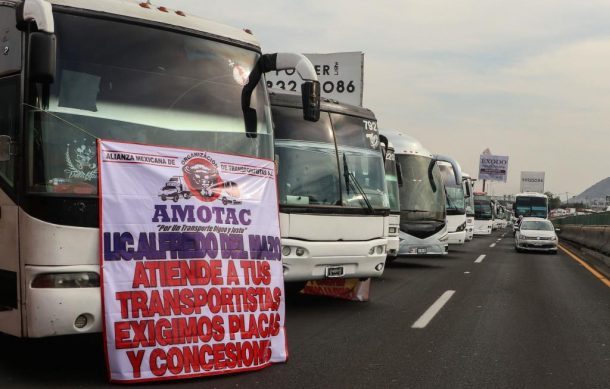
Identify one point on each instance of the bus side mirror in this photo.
(310, 93)
(5, 148)
(43, 52)
(383, 141)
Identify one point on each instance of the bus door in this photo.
(10, 87)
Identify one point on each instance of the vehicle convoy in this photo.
(455, 203)
(483, 214)
(332, 191)
(76, 71)
(531, 204)
(423, 217)
(394, 181)
(468, 185)
(536, 234)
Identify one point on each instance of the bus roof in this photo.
(280, 97)
(405, 144)
(153, 13)
(531, 194)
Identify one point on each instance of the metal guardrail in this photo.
(595, 219)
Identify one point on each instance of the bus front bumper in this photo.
(319, 260)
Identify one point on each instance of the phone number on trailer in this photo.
(327, 86)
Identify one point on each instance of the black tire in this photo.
(187, 195)
(176, 197)
(163, 197)
(390, 258)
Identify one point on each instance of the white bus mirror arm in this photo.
(300, 63)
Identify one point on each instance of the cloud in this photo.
(526, 78)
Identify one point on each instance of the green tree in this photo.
(554, 201)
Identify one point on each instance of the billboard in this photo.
(341, 76)
(493, 167)
(191, 268)
(532, 182)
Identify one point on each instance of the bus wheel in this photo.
(163, 197)
(176, 198)
(187, 195)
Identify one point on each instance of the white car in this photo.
(536, 234)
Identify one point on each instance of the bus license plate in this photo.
(422, 250)
(334, 271)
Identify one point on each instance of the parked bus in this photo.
(423, 217)
(531, 204)
(332, 191)
(120, 70)
(455, 204)
(483, 214)
(468, 184)
(394, 181)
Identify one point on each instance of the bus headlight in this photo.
(66, 280)
(461, 227)
(393, 230)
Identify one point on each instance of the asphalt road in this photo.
(513, 320)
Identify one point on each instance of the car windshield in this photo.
(125, 81)
(421, 196)
(536, 226)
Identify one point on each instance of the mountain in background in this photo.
(597, 191)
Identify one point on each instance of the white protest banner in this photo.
(532, 182)
(493, 167)
(192, 278)
(341, 76)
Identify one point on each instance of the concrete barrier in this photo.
(594, 237)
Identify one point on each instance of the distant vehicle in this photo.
(536, 234)
(455, 203)
(423, 216)
(393, 179)
(468, 184)
(175, 188)
(483, 214)
(531, 204)
(333, 197)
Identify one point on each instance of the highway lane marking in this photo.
(435, 308)
(492, 245)
(499, 240)
(480, 258)
(597, 274)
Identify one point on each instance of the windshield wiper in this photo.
(354, 184)
(413, 210)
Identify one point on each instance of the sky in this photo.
(525, 78)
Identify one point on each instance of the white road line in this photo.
(499, 240)
(492, 245)
(480, 259)
(423, 321)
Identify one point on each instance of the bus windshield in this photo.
(125, 81)
(527, 206)
(311, 163)
(391, 176)
(482, 209)
(421, 195)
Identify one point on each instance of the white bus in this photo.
(483, 214)
(75, 71)
(332, 191)
(468, 185)
(394, 181)
(423, 217)
(531, 204)
(455, 203)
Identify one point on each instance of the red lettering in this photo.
(135, 358)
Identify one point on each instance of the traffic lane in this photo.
(526, 320)
(347, 344)
(321, 332)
